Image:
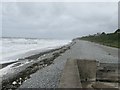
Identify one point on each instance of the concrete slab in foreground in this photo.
(70, 76)
(87, 69)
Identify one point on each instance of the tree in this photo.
(117, 31)
(103, 33)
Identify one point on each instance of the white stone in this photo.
(14, 83)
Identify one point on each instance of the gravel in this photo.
(47, 77)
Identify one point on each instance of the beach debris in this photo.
(14, 83)
(10, 89)
(43, 61)
(45, 65)
(20, 83)
(20, 78)
(21, 59)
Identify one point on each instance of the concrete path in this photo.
(49, 77)
(70, 77)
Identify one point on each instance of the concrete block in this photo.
(87, 69)
(70, 77)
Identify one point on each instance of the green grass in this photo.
(110, 39)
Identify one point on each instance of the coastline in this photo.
(33, 54)
(44, 70)
(29, 55)
(15, 48)
(38, 61)
(6, 64)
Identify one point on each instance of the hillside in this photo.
(109, 39)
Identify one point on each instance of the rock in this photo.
(14, 83)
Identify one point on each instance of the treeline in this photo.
(109, 39)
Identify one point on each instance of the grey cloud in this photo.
(58, 20)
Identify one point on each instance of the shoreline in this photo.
(38, 64)
(20, 48)
(6, 64)
(33, 54)
(48, 65)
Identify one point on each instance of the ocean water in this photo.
(14, 48)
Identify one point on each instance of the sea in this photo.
(11, 49)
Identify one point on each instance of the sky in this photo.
(58, 20)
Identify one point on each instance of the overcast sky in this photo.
(58, 20)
